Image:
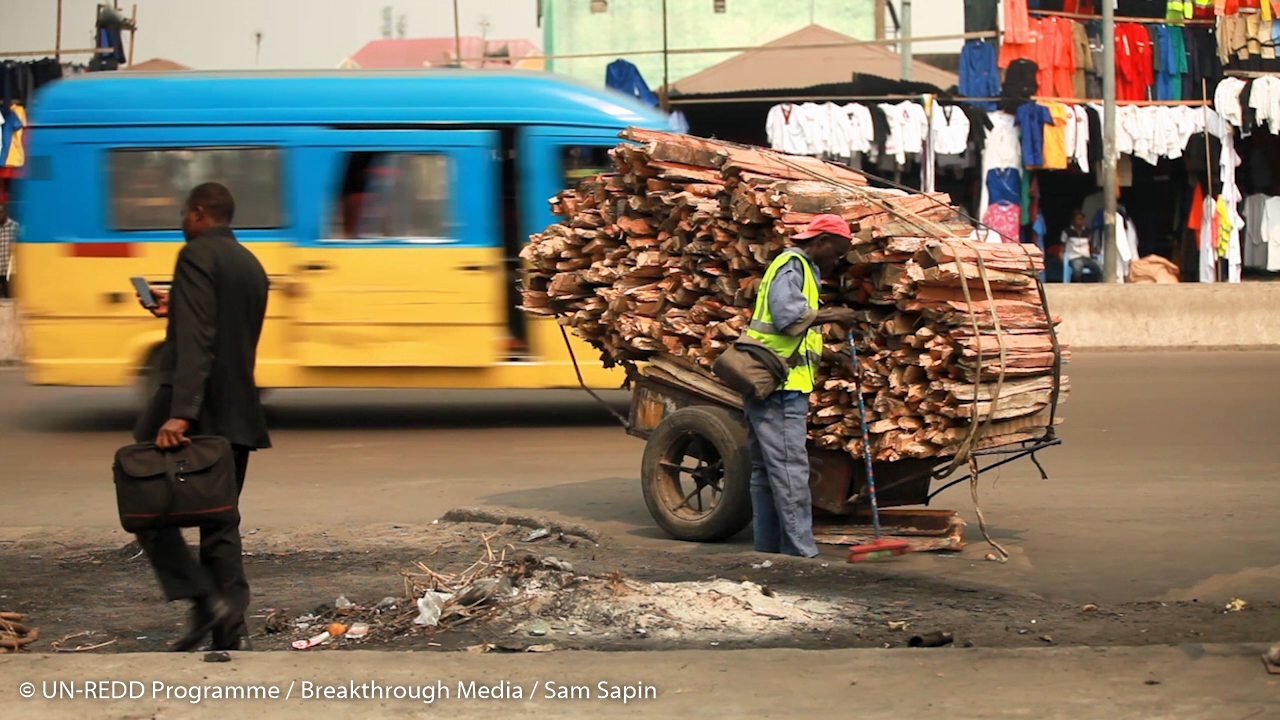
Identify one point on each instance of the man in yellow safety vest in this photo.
(787, 319)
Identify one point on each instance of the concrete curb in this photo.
(1189, 316)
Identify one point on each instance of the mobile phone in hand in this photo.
(144, 292)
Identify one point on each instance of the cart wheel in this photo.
(696, 474)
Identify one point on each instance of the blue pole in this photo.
(866, 438)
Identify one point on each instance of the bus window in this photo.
(581, 161)
(388, 195)
(149, 186)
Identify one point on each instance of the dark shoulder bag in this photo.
(752, 368)
(186, 487)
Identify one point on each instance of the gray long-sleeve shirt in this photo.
(788, 307)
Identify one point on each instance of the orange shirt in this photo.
(1055, 138)
(1016, 22)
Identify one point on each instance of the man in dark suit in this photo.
(215, 309)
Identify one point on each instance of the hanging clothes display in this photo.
(625, 77)
(979, 73)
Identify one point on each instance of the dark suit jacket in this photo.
(205, 366)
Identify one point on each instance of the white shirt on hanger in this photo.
(1265, 100)
(1271, 232)
(862, 134)
(1226, 99)
(813, 123)
(915, 126)
(1079, 124)
(950, 130)
(837, 138)
(1003, 148)
(1208, 242)
(785, 131)
(1126, 126)
(893, 142)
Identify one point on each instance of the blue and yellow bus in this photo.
(388, 208)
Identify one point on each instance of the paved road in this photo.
(1161, 491)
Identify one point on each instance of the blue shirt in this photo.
(1004, 185)
(1032, 118)
(625, 78)
(979, 75)
(787, 303)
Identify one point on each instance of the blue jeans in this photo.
(781, 505)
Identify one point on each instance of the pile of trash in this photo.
(526, 597)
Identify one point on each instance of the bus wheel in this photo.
(696, 474)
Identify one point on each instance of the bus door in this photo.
(555, 159)
(404, 268)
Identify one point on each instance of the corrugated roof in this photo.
(805, 67)
(439, 52)
(157, 65)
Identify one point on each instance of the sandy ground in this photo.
(1189, 683)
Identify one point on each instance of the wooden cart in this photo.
(696, 471)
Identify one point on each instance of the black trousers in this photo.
(220, 568)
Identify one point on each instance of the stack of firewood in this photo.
(663, 257)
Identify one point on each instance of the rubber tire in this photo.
(727, 432)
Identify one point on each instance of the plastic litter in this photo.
(536, 535)
(552, 562)
(312, 642)
(430, 606)
(342, 602)
(357, 631)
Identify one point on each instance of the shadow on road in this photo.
(599, 502)
(111, 411)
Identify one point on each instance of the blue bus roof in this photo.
(335, 97)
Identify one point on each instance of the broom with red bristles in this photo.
(879, 548)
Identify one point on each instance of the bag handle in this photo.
(172, 473)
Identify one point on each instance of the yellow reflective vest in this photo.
(802, 352)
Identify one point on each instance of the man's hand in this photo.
(842, 316)
(162, 303)
(173, 434)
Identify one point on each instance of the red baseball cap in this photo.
(828, 223)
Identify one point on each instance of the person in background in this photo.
(787, 319)
(1078, 254)
(8, 246)
(215, 310)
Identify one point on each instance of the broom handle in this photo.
(866, 437)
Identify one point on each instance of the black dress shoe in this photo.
(207, 614)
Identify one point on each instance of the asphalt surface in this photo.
(1162, 489)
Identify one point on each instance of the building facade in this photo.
(621, 27)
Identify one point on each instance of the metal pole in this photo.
(905, 51)
(457, 36)
(1110, 187)
(57, 43)
(666, 74)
